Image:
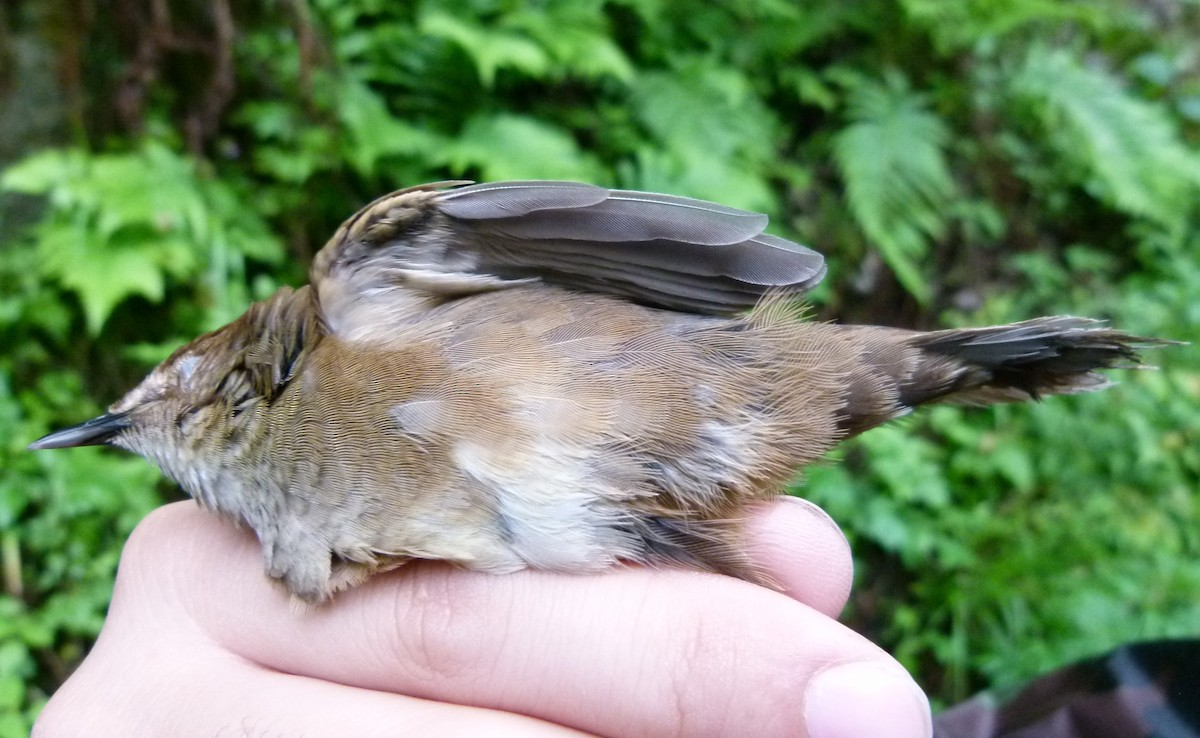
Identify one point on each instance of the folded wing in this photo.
(449, 240)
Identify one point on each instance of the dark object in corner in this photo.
(1142, 690)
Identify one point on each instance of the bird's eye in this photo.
(185, 419)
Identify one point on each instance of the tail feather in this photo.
(1006, 363)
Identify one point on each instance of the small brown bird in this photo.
(550, 375)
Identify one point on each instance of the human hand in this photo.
(198, 642)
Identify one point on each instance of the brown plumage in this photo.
(546, 374)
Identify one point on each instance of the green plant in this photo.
(959, 164)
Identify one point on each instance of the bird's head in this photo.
(203, 396)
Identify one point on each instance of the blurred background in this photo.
(165, 162)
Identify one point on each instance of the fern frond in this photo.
(1130, 150)
(897, 182)
(715, 135)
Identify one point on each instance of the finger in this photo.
(631, 652)
(184, 686)
(800, 547)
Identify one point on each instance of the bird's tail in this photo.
(1007, 363)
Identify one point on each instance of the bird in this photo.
(548, 375)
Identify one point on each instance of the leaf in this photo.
(490, 49)
(578, 38)
(884, 525)
(38, 173)
(288, 164)
(516, 147)
(588, 54)
(971, 22)
(374, 132)
(1130, 148)
(898, 185)
(270, 119)
(714, 135)
(811, 88)
(119, 224)
(1013, 463)
(102, 278)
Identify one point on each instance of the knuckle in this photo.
(440, 630)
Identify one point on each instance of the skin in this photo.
(199, 642)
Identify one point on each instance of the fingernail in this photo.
(816, 511)
(865, 699)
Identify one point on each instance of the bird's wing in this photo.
(446, 239)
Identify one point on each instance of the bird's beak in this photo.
(93, 432)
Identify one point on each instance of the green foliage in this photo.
(120, 225)
(710, 134)
(974, 22)
(1009, 527)
(132, 235)
(959, 163)
(1128, 150)
(898, 185)
(62, 519)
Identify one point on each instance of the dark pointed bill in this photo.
(94, 432)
